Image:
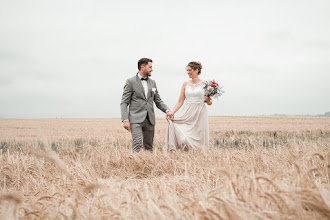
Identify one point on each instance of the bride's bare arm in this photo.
(181, 98)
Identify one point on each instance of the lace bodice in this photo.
(195, 92)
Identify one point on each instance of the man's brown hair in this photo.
(143, 61)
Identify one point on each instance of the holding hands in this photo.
(169, 115)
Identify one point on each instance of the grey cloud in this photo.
(319, 44)
(251, 69)
(7, 56)
(27, 72)
(5, 79)
(88, 48)
(281, 35)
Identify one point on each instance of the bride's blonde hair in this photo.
(196, 65)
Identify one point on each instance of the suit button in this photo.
(146, 109)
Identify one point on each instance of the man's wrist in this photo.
(125, 120)
(168, 110)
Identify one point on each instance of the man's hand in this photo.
(169, 115)
(127, 125)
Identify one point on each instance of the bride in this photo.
(191, 129)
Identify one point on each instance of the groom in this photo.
(140, 93)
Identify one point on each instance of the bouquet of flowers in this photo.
(212, 88)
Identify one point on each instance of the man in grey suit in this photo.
(140, 93)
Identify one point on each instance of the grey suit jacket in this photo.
(139, 105)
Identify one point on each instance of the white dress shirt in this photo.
(144, 84)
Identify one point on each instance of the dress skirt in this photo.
(190, 130)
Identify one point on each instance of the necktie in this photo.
(146, 78)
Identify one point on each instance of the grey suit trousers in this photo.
(142, 134)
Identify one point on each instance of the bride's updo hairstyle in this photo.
(196, 65)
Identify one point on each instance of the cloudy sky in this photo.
(71, 58)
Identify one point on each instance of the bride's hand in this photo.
(208, 100)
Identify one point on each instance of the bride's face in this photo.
(191, 72)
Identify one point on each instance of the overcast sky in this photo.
(71, 58)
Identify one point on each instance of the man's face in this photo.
(147, 69)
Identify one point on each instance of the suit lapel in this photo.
(138, 80)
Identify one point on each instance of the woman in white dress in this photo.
(191, 129)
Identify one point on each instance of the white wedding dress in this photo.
(191, 129)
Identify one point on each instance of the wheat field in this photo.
(256, 168)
